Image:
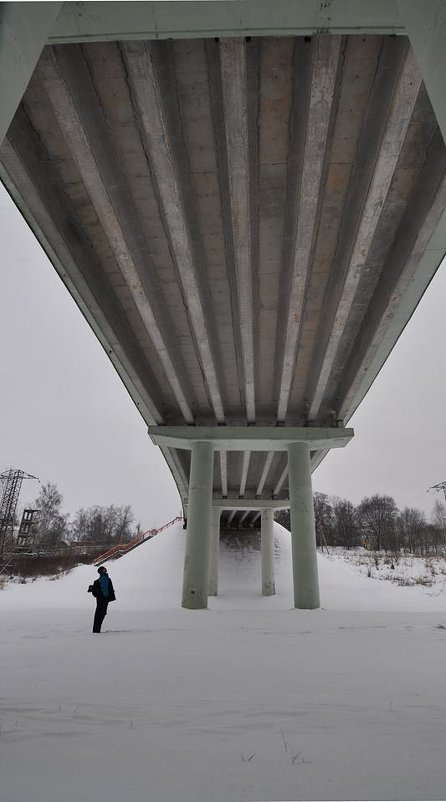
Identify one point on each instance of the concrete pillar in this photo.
(214, 552)
(196, 561)
(425, 24)
(303, 533)
(24, 30)
(267, 544)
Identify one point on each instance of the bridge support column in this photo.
(214, 552)
(196, 561)
(303, 533)
(267, 545)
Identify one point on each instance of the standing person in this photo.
(102, 590)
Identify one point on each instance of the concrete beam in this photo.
(24, 30)
(244, 516)
(416, 253)
(250, 504)
(281, 480)
(235, 103)
(265, 472)
(148, 101)
(324, 71)
(112, 21)
(400, 114)
(68, 83)
(252, 438)
(245, 469)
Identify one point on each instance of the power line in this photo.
(438, 488)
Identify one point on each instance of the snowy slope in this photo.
(150, 578)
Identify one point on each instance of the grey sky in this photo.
(66, 417)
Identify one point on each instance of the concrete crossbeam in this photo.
(258, 438)
(105, 21)
(250, 503)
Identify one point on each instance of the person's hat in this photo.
(102, 569)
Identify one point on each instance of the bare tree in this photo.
(345, 523)
(323, 518)
(377, 519)
(53, 524)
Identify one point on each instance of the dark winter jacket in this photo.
(95, 589)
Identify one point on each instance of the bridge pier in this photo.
(196, 561)
(267, 547)
(214, 552)
(303, 533)
(201, 561)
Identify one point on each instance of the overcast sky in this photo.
(66, 417)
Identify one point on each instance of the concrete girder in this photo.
(83, 126)
(118, 21)
(154, 131)
(245, 469)
(324, 71)
(24, 29)
(281, 480)
(232, 516)
(414, 263)
(244, 516)
(266, 468)
(235, 102)
(400, 114)
(54, 223)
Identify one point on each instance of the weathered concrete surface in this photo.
(247, 223)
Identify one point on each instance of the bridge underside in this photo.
(240, 220)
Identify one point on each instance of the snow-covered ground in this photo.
(249, 700)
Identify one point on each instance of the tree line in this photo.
(95, 525)
(377, 524)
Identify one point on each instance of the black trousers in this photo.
(101, 612)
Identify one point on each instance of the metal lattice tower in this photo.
(12, 483)
(440, 486)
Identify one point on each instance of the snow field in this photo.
(249, 700)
